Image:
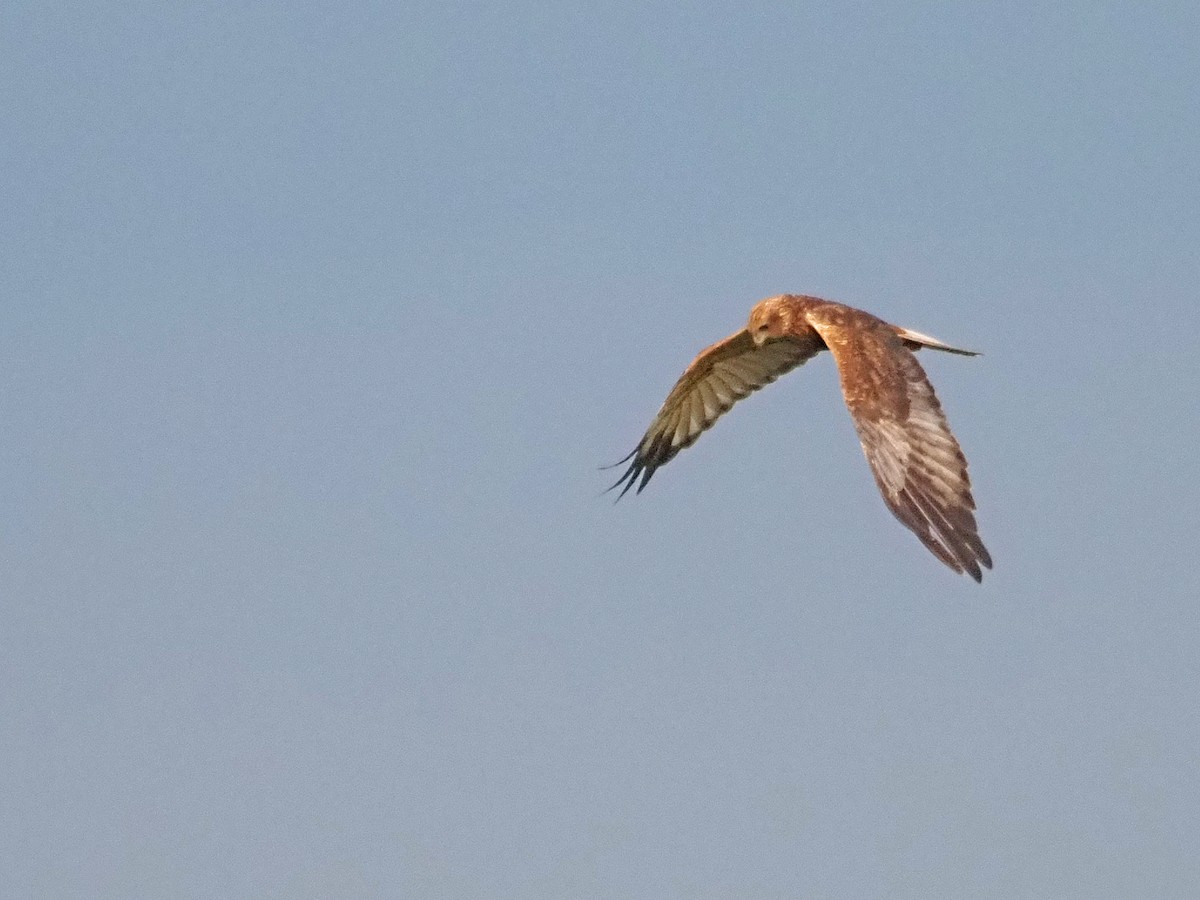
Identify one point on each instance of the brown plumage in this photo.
(919, 468)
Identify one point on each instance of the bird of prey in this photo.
(919, 468)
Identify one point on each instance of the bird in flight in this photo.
(919, 467)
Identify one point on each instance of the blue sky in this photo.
(318, 321)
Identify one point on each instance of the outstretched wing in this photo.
(918, 465)
(720, 376)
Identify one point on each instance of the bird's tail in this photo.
(915, 341)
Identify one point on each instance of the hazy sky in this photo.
(318, 320)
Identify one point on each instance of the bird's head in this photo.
(769, 320)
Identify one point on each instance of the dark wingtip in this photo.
(628, 478)
(623, 459)
(982, 560)
(640, 471)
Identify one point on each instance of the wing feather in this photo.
(712, 404)
(716, 379)
(918, 465)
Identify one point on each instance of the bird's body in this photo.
(918, 465)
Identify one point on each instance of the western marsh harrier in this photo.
(918, 465)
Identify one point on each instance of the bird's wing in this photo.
(918, 465)
(716, 379)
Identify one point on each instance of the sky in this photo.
(317, 321)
